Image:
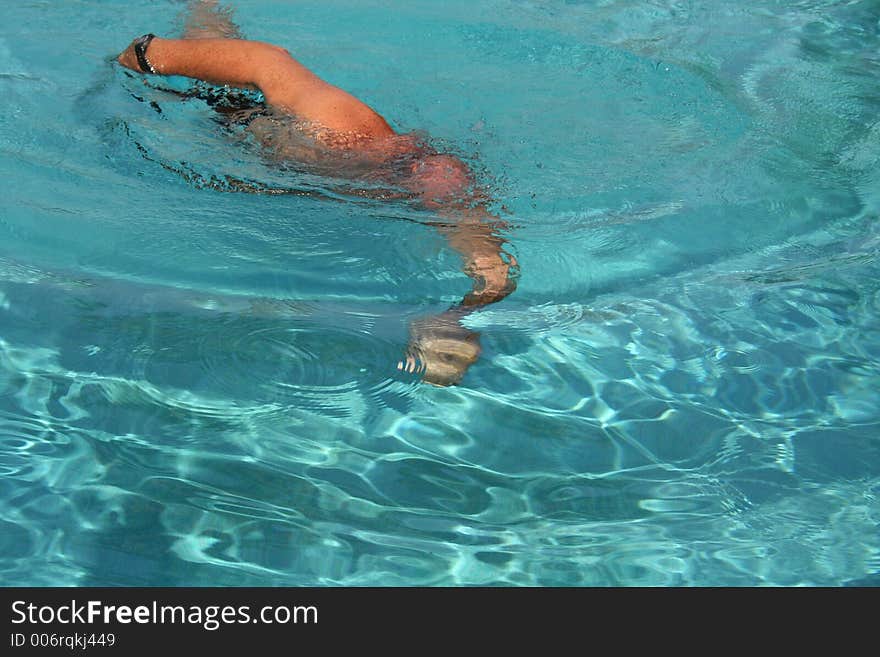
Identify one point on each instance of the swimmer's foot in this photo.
(441, 350)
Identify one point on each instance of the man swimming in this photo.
(327, 125)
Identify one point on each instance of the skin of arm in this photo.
(286, 84)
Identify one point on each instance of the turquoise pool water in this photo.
(199, 387)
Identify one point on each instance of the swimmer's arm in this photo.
(286, 84)
(444, 184)
(441, 348)
(492, 270)
(232, 62)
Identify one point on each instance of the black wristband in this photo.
(140, 50)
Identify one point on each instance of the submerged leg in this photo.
(206, 19)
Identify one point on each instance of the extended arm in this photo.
(286, 84)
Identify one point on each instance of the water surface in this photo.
(199, 387)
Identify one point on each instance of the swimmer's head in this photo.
(440, 179)
(441, 350)
(446, 360)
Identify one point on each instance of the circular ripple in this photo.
(325, 367)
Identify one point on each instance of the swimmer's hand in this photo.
(441, 349)
(128, 58)
(494, 278)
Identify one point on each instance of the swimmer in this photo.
(339, 126)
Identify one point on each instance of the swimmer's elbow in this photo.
(278, 75)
